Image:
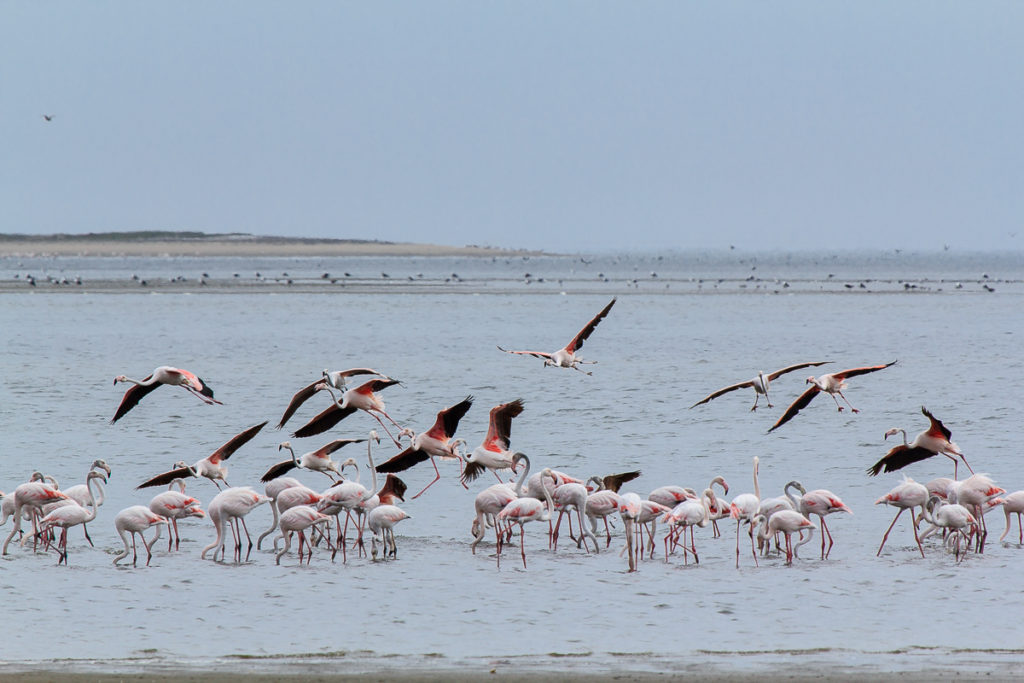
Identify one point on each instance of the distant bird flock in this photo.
(954, 509)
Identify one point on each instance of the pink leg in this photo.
(522, 543)
(438, 476)
(886, 537)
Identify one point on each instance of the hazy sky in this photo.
(584, 126)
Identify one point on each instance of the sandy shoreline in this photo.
(226, 247)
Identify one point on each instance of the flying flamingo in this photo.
(1013, 503)
(932, 441)
(162, 375)
(566, 357)
(494, 453)
(318, 460)
(70, 515)
(789, 522)
(744, 508)
(335, 379)
(759, 384)
(382, 520)
(949, 516)
(298, 519)
(229, 507)
(526, 509)
(273, 489)
(210, 466)
(832, 384)
(174, 505)
(436, 441)
(908, 495)
(134, 520)
(363, 397)
(32, 495)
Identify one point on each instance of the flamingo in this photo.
(789, 522)
(162, 375)
(601, 503)
(832, 384)
(572, 496)
(210, 466)
(493, 499)
(230, 506)
(298, 519)
(759, 384)
(494, 453)
(686, 515)
(822, 502)
(526, 509)
(932, 441)
(436, 441)
(80, 492)
(174, 505)
(973, 492)
(363, 397)
(908, 495)
(949, 516)
(70, 515)
(392, 490)
(1013, 503)
(630, 508)
(134, 520)
(273, 489)
(650, 512)
(566, 357)
(32, 495)
(382, 520)
(769, 506)
(318, 460)
(335, 379)
(744, 507)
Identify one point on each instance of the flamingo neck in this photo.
(518, 489)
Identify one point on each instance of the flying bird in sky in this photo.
(210, 466)
(566, 357)
(161, 375)
(759, 384)
(832, 384)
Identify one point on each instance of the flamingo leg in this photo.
(522, 543)
(852, 409)
(438, 476)
(135, 554)
(554, 535)
(384, 426)
(824, 527)
(886, 536)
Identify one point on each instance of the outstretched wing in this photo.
(166, 478)
(300, 397)
(448, 419)
(725, 390)
(499, 428)
(472, 471)
(614, 482)
(403, 461)
(326, 450)
(853, 372)
(331, 416)
(278, 470)
(236, 442)
(535, 354)
(898, 458)
(791, 368)
(936, 427)
(577, 342)
(132, 397)
(799, 404)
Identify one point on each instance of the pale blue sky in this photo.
(584, 126)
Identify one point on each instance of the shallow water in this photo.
(438, 605)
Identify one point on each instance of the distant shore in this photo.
(198, 244)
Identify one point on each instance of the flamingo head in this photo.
(101, 464)
(120, 378)
(284, 444)
(893, 432)
(375, 436)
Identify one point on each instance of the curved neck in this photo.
(92, 498)
(522, 478)
(547, 494)
(338, 402)
(792, 498)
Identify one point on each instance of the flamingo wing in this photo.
(898, 458)
(395, 486)
(614, 482)
(166, 478)
(799, 404)
(326, 450)
(132, 397)
(936, 427)
(278, 470)
(197, 383)
(499, 429)
(300, 397)
(853, 372)
(375, 385)
(448, 419)
(724, 390)
(324, 421)
(472, 471)
(535, 354)
(577, 342)
(403, 461)
(236, 442)
(791, 368)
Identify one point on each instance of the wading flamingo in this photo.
(908, 495)
(1013, 503)
(526, 509)
(744, 508)
(382, 520)
(297, 520)
(134, 520)
(230, 506)
(71, 515)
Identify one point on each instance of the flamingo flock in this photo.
(954, 509)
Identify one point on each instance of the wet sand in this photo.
(244, 246)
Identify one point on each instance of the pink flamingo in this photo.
(789, 522)
(230, 506)
(174, 505)
(908, 495)
(70, 515)
(298, 519)
(317, 461)
(435, 442)
(832, 384)
(382, 520)
(494, 453)
(162, 375)
(932, 441)
(821, 502)
(210, 466)
(363, 397)
(492, 500)
(134, 520)
(759, 384)
(572, 496)
(566, 357)
(335, 379)
(949, 516)
(744, 508)
(526, 509)
(272, 489)
(33, 496)
(973, 492)
(1013, 503)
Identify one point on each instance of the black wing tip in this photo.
(875, 469)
